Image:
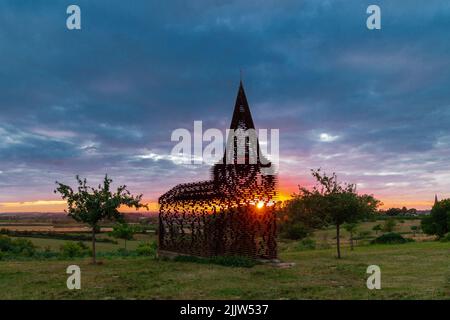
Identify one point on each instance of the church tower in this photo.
(239, 175)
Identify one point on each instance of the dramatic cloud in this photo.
(373, 106)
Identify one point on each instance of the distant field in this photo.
(50, 228)
(69, 227)
(419, 270)
(54, 244)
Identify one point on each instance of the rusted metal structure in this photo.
(233, 213)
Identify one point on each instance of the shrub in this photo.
(295, 231)
(122, 252)
(5, 244)
(74, 249)
(391, 238)
(306, 244)
(147, 249)
(229, 261)
(23, 247)
(233, 261)
(20, 247)
(46, 255)
(191, 259)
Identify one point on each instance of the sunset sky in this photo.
(372, 106)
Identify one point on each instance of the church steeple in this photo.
(435, 199)
(242, 124)
(242, 117)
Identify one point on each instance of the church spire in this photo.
(435, 199)
(242, 117)
(241, 122)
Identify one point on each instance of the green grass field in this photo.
(419, 270)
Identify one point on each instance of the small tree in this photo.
(92, 205)
(377, 228)
(336, 203)
(351, 228)
(123, 231)
(389, 225)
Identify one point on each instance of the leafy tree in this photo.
(438, 222)
(296, 220)
(335, 203)
(389, 225)
(377, 228)
(351, 228)
(123, 231)
(92, 205)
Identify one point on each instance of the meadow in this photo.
(416, 270)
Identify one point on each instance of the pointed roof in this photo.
(435, 199)
(242, 117)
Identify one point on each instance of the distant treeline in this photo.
(396, 212)
(400, 217)
(53, 235)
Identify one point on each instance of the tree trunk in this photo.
(338, 241)
(351, 241)
(94, 260)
